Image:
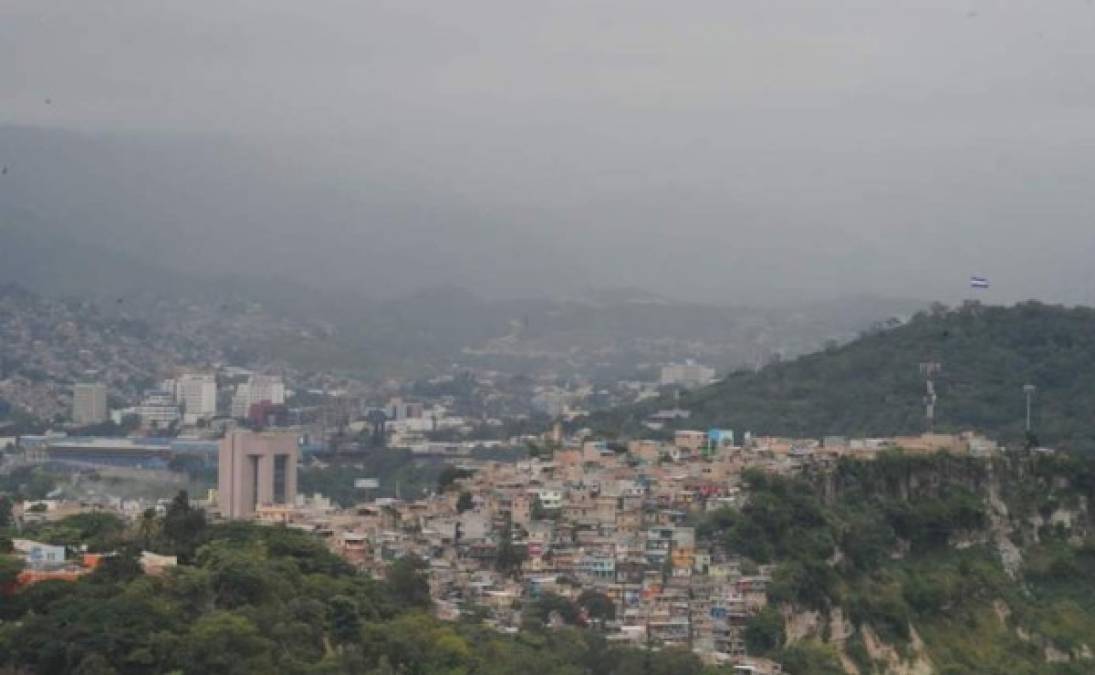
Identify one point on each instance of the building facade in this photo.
(89, 403)
(157, 409)
(258, 388)
(256, 469)
(196, 394)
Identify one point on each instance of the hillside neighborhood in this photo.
(586, 532)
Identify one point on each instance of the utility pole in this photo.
(1028, 390)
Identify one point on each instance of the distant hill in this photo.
(604, 334)
(872, 386)
(38, 256)
(125, 215)
(607, 335)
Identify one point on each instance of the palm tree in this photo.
(148, 527)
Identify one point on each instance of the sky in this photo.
(726, 151)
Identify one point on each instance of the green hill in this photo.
(873, 385)
(922, 564)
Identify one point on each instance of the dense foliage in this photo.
(905, 544)
(873, 386)
(256, 599)
(28, 482)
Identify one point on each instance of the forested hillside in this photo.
(923, 564)
(873, 385)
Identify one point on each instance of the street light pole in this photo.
(1028, 389)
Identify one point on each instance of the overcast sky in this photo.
(714, 149)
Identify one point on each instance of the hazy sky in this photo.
(717, 150)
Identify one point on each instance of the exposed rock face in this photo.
(801, 625)
(891, 661)
(1022, 501)
(1054, 655)
(1011, 556)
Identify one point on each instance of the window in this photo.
(281, 462)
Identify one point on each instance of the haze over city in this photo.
(727, 152)
(569, 337)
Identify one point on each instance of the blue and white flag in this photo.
(979, 282)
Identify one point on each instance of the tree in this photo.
(241, 578)
(123, 566)
(224, 642)
(540, 610)
(95, 664)
(597, 605)
(537, 511)
(5, 512)
(764, 632)
(811, 658)
(192, 589)
(671, 661)
(10, 567)
(183, 526)
(408, 583)
(449, 475)
(507, 557)
(39, 482)
(100, 532)
(344, 618)
(464, 502)
(148, 527)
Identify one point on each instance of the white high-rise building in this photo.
(89, 403)
(257, 389)
(196, 394)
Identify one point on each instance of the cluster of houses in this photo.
(615, 520)
(43, 561)
(48, 562)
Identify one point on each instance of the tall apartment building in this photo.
(196, 394)
(257, 389)
(89, 403)
(256, 469)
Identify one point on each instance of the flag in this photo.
(979, 282)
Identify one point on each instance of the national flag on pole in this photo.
(979, 282)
